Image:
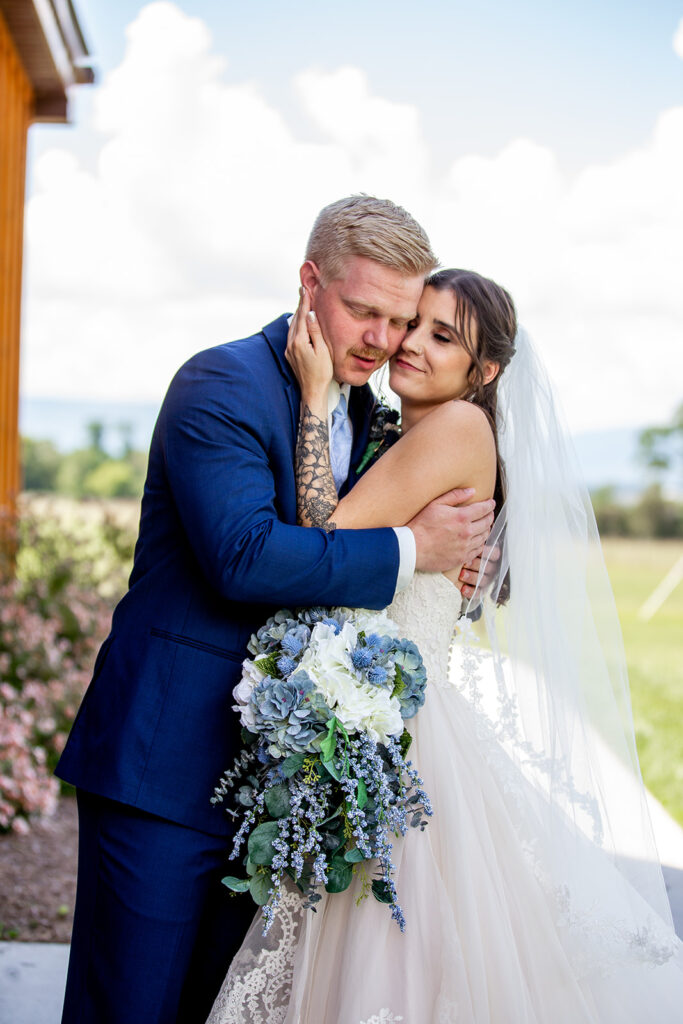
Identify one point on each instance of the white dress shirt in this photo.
(406, 540)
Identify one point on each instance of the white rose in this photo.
(247, 716)
(243, 691)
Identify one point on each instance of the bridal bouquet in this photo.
(323, 778)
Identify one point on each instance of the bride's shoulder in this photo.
(461, 419)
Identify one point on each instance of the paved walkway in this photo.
(32, 974)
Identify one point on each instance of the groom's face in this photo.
(363, 315)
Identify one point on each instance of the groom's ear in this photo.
(309, 275)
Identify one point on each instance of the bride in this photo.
(535, 895)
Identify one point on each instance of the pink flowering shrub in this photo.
(54, 614)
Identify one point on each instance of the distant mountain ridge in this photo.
(607, 457)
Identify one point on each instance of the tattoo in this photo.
(316, 494)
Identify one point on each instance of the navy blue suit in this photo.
(218, 551)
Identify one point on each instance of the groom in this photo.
(218, 551)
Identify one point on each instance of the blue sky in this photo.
(539, 143)
(585, 78)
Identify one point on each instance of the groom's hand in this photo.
(449, 534)
(467, 579)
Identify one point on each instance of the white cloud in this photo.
(678, 39)
(191, 228)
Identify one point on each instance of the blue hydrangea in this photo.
(411, 678)
(285, 713)
(269, 636)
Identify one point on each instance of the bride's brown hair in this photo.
(488, 325)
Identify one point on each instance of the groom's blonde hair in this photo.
(365, 226)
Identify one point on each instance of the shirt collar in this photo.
(333, 394)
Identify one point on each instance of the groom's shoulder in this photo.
(255, 354)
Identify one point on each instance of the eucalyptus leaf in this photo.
(362, 794)
(250, 867)
(260, 843)
(331, 817)
(381, 891)
(277, 801)
(292, 764)
(259, 887)
(339, 875)
(332, 769)
(236, 884)
(354, 856)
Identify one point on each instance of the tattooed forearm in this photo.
(316, 494)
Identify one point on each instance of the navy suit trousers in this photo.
(154, 929)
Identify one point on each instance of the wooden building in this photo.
(42, 53)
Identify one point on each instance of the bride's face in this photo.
(432, 364)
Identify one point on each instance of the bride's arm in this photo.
(452, 446)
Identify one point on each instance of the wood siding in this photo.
(16, 109)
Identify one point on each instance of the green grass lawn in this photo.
(654, 651)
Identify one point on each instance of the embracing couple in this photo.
(267, 488)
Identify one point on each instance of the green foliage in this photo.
(40, 461)
(277, 801)
(652, 515)
(655, 667)
(259, 887)
(85, 473)
(236, 884)
(656, 516)
(114, 478)
(292, 764)
(260, 843)
(339, 875)
(660, 446)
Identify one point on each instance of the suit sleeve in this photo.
(214, 428)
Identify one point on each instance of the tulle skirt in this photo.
(488, 940)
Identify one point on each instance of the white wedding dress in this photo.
(490, 938)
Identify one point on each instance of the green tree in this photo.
(96, 433)
(611, 515)
(656, 516)
(75, 467)
(661, 446)
(40, 462)
(114, 478)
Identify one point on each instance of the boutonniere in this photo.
(384, 431)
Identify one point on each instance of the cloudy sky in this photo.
(540, 144)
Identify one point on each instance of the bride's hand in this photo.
(307, 352)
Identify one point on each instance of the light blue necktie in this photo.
(340, 442)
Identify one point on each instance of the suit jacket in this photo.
(218, 551)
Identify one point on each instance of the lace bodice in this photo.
(426, 612)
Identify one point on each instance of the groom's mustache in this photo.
(370, 353)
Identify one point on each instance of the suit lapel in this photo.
(361, 404)
(276, 336)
